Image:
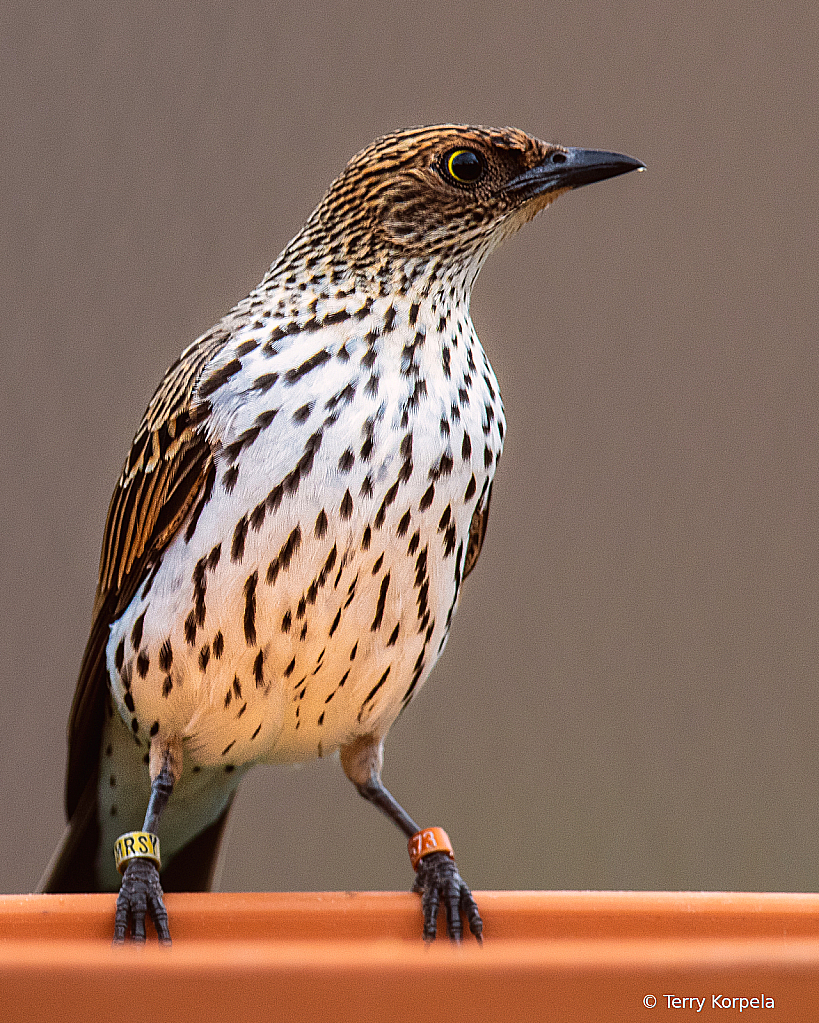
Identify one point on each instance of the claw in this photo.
(437, 879)
(140, 893)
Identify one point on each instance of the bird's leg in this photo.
(141, 891)
(436, 874)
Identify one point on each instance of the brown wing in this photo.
(169, 465)
(477, 531)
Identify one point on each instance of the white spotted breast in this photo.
(354, 441)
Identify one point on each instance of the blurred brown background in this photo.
(628, 699)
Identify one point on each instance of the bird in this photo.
(303, 500)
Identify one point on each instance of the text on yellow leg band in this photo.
(136, 845)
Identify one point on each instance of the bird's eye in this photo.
(463, 166)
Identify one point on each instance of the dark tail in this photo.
(71, 868)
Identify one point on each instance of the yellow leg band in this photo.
(136, 845)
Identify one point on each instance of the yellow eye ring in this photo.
(464, 166)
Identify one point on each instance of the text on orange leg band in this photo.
(426, 841)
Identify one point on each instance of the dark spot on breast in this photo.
(371, 695)
(289, 548)
(338, 316)
(328, 565)
(250, 609)
(230, 477)
(257, 516)
(389, 497)
(265, 382)
(237, 548)
(166, 656)
(274, 498)
(219, 377)
(292, 479)
(136, 632)
(265, 418)
(382, 600)
(442, 468)
(292, 375)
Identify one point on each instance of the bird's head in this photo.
(444, 195)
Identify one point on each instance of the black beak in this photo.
(571, 168)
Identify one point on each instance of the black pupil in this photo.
(466, 166)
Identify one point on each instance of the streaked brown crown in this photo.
(398, 198)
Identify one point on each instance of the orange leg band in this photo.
(426, 841)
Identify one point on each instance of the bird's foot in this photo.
(140, 893)
(437, 880)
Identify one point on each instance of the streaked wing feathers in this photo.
(477, 531)
(169, 464)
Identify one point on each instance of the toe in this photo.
(139, 896)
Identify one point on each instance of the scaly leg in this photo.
(437, 878)
(141, 890)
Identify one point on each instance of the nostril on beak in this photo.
(558, 157)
